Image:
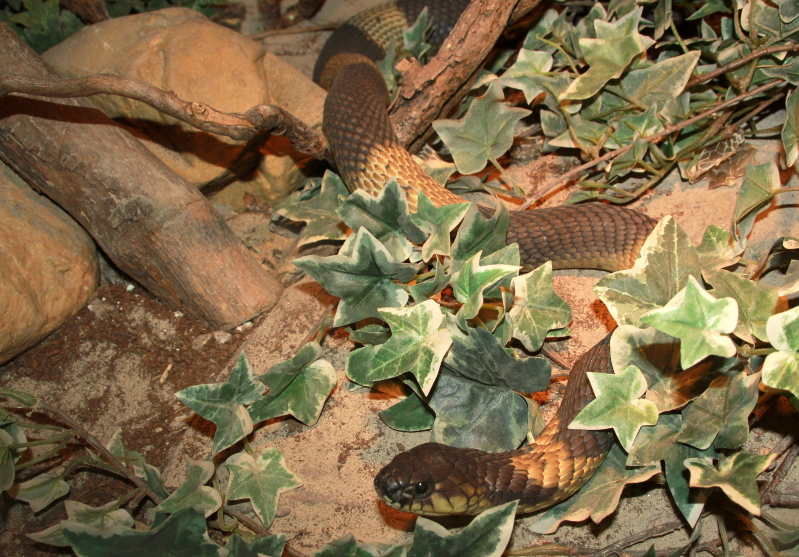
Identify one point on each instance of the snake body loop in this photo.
(436, 479)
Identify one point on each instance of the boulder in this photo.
(48, 266)
(180, 50)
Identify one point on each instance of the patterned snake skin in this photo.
(435, 479)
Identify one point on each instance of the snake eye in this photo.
(421, 488)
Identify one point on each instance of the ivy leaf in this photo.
(41, 490)
(790, 130)
(414, 36)
(789, 71)
(268, 546)
(409, 414)
(478, 234)
(46, 24)
(421, 291)
(385, 217)
(485, 536)
(438, 222)
(193, 493)
(736, 476)
(318, 212)
(618, 404)
(699, 320)
(363, 280)
(721, 413)
(260, 480)
(523, 74)
(537, 309)
(298, 386)
(470, 283)
(104, 517)
(659, 83)
(657, 355)
(223, 403)
(10, 433)
(781, 369)
(659, 442)
(718, 249)
(470, 414)
(600, 496)
(183, 534)
(135, 460)
(417, 345)
(662, 269)
(484, 134)
(709, 8)
(756, 302)
(757, 190)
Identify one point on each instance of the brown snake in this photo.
(435, 479)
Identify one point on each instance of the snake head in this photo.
(434, 479)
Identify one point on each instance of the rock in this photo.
(180, 50)
(48, 266)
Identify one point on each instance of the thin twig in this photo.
(573, 173)
(779, 474)
(295, 31)
(740, 62)
(655, 532)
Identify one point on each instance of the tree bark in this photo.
(153, 224)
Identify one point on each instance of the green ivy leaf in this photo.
(318, 212)
(478, 234)
(718, 249)
(630, 128)
(659, 83)
(409, 414)
(417, 345)
(260, 480)
(298, 386)
(756, 301)
(425, 289)
(363, 280)
(721, 413)
(781, 369)
(268, 546)
(135, 461)
(662, 269)
(659, 442)
(699, 320)
(485, 536)
(736, 476)
(193, 493)
(223, 403)
(789, 71)
(385, 217)
(438, 222)
(790, 130)
(600, 496)
(470, 283)
(183, 534)
(537, 309)
(414, 37)
(709, 8)
(10, 433)
(524, 74)
(484, 134)
(757, 190)
(46, 24)
(104, 517)
(618, 404)
(41, 490)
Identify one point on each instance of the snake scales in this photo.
(435, 479)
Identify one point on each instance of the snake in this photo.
(433, 478)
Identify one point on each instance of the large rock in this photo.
(48, 266)
(180, 50)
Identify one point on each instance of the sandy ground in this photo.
(119, 362)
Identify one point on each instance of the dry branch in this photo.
(151, 222)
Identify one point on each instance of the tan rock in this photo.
(180, 50)
(48, 266)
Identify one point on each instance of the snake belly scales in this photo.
(436, 479)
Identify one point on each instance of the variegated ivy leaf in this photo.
(635, 126)
(659, 442)
(223, 403)
(438, 222)
(469, 284)
(414, 37)
(261, 480)
(268, 546)
(718, 249)
(417, 345)
(537, 309)
(484, 134)
(662, 269)
(659, 83)
(318, 212)
(756, 301)
(618, 404)
(183, 534)
(485, 536)
(524, 73)
(135, 460)
(41, 490)
(298, 386)
(736, 476)
(757, 190)
(193, 493)
(700, 321)
(790, 130)
(385, 217)
(364, 280)
(478, 234)
(721, 413)
(781, 369)
(425, 289)
(104, 517)
(10, 434)
(599, 497)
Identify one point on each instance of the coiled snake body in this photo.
(435, 479)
